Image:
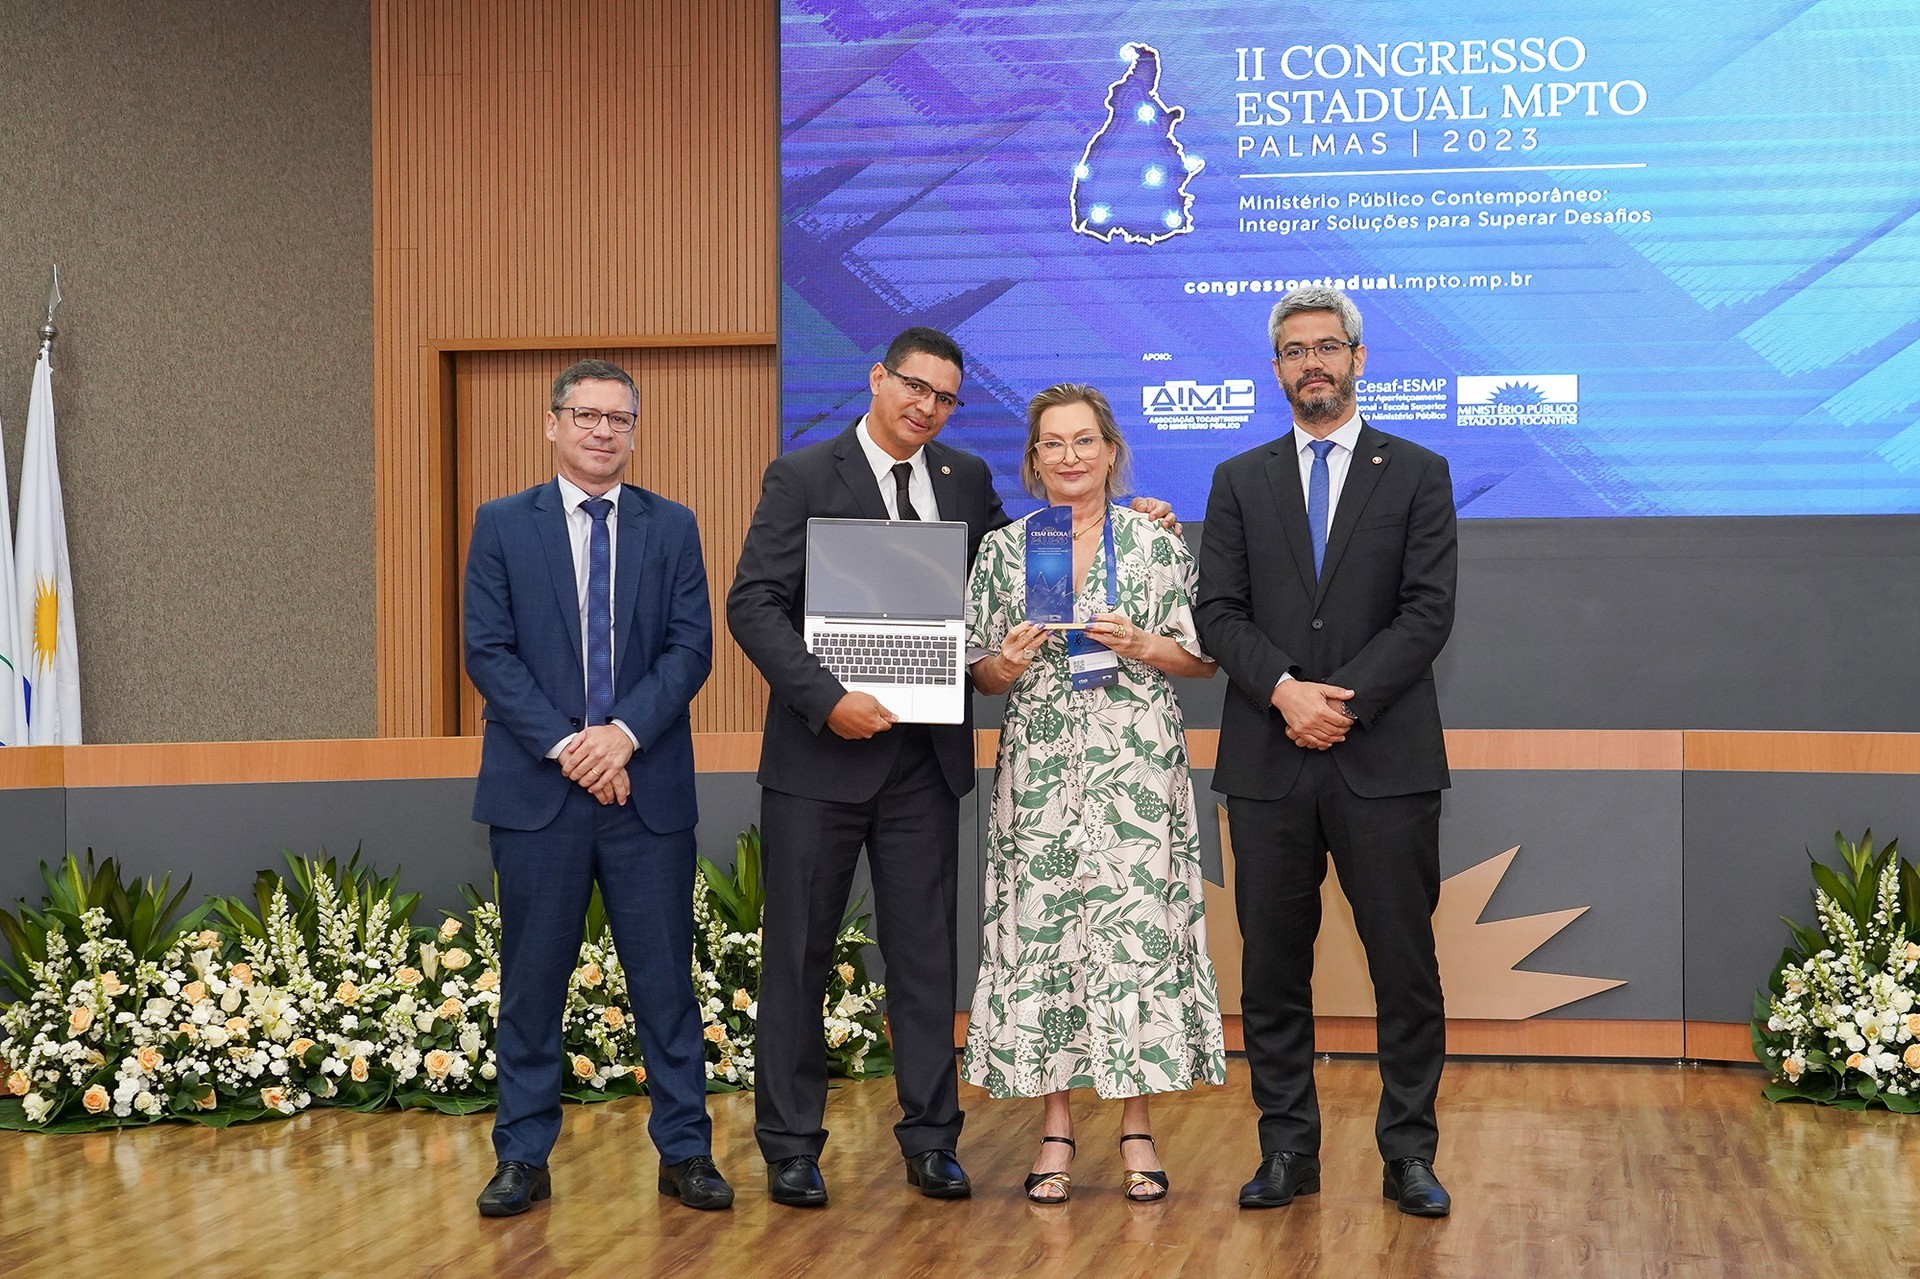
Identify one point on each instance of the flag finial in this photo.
(48, 332)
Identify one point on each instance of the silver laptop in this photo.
(886, 602)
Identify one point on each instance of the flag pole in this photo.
(49, 331)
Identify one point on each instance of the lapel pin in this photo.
(946, 470)
(1377, 459)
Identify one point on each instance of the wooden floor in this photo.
(1556, 1169)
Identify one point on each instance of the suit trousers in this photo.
(1387, 851)
(911, 833)
(646, 881)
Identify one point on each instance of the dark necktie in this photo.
(902, 471)
(599, 613)
(1319, 498)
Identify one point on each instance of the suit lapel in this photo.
(1283, 476)
(1362, 477)
(859, 476)
(946, 490)
(628, 557)
(550, 523)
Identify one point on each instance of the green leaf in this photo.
(1899, 1104)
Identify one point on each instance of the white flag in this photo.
(13, 705)
(46, 580)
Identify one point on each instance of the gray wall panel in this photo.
(33, 829)
(1746, 845)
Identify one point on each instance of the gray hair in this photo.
(590, 371)
(1314, 297)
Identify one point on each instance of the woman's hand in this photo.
(1121, 635)
(1018, 649)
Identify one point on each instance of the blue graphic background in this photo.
(1754, 348)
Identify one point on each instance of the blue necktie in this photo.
(599, 613)
(1319, 493)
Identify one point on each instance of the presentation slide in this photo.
(1613, 258)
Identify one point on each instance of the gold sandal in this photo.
(1051, 1181)
(1143, 1187)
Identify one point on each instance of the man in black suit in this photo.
(588, 632)
(1327, 573)
(837, 773)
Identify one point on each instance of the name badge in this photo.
(1090, 663)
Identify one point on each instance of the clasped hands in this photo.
(596, 759)
(1315, 713)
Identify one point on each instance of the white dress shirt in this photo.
(580, 535)
(1345, 438)
(919, 483)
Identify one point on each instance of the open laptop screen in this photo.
(901, 570)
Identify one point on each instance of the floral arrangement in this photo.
(322, 991)
(1839, 1023)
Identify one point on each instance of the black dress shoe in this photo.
(938, 1174)
(1411, 1182)
(796, 1182)
(697, 1183)
(515, 1188)
(1282, 1175)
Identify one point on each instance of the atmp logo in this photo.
(1181, 405)
(1532, 399)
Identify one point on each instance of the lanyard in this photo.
(1091, 664)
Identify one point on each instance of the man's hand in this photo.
(597, 758)
(1159, 512)
(858, 716)
(1314, 712)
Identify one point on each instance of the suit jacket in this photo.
(766, 611)
(523, 650)
(1374, 620)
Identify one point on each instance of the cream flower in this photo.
(18, 1084)
(639, 1074)
(846, 972)
(274, 1099)
(1912, 1057)
(348, 994)
(438, 1063)
(715, 1033)
(299, 1048)
(741, 999)
(591, 975)
(1792, 1068)
(194, 992)
(36, 1107)
(487, 980)
(408, 977)
(456, 959)
(452, 1009)
(582, 1068)
(79, 1020)
(206, 939)
(837, 1036)
(613, 1017)
(95, 1099)
(359, 1070)
(148, 1059)
(1913, 1025)
(236, 1027)
(111, 985)
(206, 1098)
(450, 929)
(241, 974)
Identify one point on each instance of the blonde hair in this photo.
(1119, 480)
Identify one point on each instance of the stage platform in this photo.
(1557, 1169)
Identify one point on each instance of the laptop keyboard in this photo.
(888, 657)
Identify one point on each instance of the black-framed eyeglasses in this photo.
(1294, 352)
(588, 419)
(946, 401)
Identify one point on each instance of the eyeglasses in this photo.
(1054, 450)
(1294, 352)
(945, 401)
(588, 419)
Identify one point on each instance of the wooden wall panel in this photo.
(690, 447)
(555, 174)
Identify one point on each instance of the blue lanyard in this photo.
(1106, 539)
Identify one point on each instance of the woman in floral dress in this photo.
(1094, 971)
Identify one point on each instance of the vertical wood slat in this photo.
(542, 170)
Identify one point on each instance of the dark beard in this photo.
(1328, 404)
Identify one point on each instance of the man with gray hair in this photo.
(1326, 592)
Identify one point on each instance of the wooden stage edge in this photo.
(397, 758)
(1534, 1037)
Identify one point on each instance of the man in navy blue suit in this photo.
(588, 632)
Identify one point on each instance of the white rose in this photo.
(424, 1022)
(1855, 1043)
(230, 1002)
(488, 1071)
(470, 1041)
